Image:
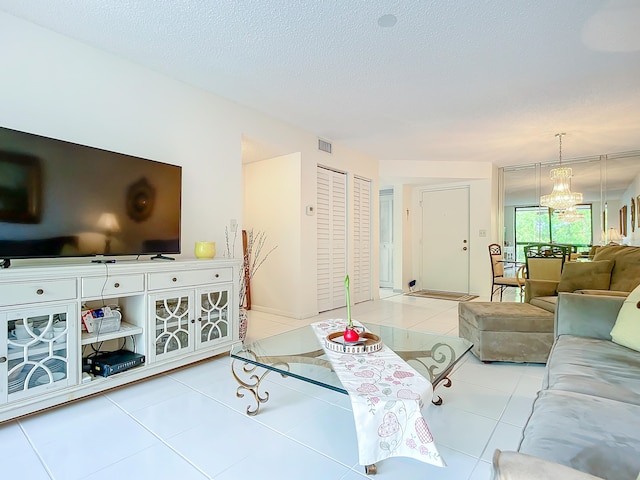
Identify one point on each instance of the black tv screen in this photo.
(61, 199)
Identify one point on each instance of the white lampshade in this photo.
(108, 222)
(614, 236)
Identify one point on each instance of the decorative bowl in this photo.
(368, 343)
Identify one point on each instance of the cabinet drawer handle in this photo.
(40, 291)
(116, 285)
(3, 359)
(174, 279)
(193, 320)
(217, 275)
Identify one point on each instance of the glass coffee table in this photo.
(298, 353)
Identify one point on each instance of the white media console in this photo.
(173, 312)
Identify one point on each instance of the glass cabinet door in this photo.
(172, 324)
(38, 345)
(213, 315)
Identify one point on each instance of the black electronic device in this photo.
(110, 363)
(62, 199)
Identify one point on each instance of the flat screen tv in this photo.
(61, 199)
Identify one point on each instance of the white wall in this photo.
(633, 234)
(343, 159)
(481, 177)
(480, 195)
(285, 182)
(596, 219)
(398, 233)
(272, 205)
(403, 217)
(57, 87)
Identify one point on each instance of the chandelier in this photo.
(561, 197)
(570, 215)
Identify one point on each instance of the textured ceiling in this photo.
(489, 80)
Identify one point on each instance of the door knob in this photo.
(464, 248)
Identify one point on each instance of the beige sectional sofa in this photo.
(585, 421)
(614, 270)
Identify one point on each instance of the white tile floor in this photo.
(189, 424)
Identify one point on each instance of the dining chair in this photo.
(545, 261)
(500, 282)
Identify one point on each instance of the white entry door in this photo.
(331, 218)
(445, 240)
(386, 239)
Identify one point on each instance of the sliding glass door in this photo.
(539, 225)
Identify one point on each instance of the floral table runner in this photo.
(386, 397)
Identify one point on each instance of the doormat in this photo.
(456, 297)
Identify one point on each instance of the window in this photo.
(539, 225)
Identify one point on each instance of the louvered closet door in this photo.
(361, 284)
(331, 214)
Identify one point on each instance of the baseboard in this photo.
(282, 313)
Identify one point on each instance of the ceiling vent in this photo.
(324, 145)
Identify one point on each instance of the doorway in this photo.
(445, 240)
(386, 239)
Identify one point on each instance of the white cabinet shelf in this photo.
(35, 350)
(126, 330)
(46, 370)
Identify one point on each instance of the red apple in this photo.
(351, 335)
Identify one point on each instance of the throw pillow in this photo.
(626, 330)
(626, 274)
(594, 275)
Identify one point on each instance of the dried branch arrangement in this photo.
(254, 257)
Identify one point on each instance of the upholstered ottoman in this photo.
(506, 331)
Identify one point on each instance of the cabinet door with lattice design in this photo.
(36, 348)
(213, 322)
(173, 319)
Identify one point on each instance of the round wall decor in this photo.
(140, 200)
